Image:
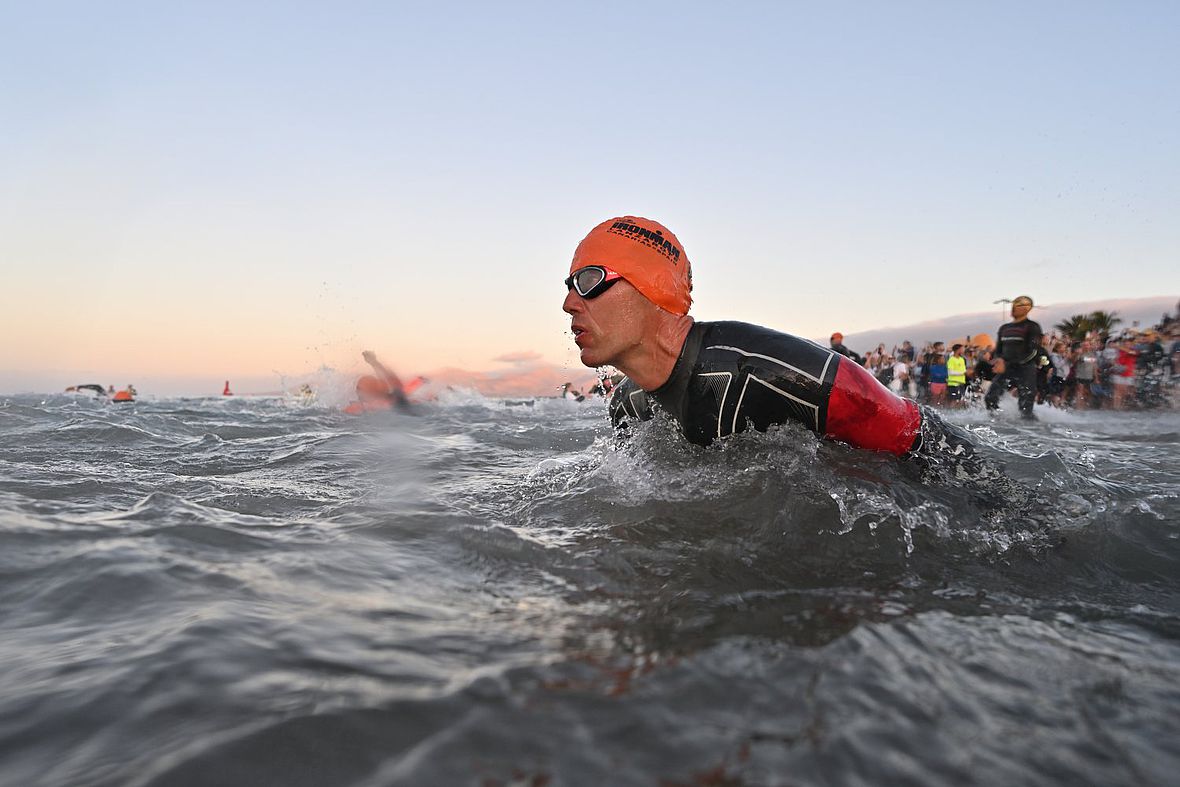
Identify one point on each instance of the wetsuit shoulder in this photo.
(751, 375)
(759, 345)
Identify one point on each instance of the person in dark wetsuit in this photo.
(837, 345)
(1018, 347)
(628, 298)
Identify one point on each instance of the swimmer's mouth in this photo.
(578, 332)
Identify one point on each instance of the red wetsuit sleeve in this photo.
(866, 414)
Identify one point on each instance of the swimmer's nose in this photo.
(573, 302)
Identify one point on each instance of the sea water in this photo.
(246, 592)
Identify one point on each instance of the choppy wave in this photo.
(501, 592)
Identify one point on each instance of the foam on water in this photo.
(250, 591)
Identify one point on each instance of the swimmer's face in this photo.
(608, 327)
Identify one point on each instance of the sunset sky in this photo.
(224, 189)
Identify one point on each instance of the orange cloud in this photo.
(536, 379)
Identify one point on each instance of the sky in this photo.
(200, 191)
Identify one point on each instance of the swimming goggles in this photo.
(592, 281)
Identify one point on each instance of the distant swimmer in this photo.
(90, 388)
(381, 393)
(569, 392)
(226, 391)
(303, 396)
(628, 298)
(125, 395)
(605, 385)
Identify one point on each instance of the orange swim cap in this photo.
(646, 254)
(370, 385)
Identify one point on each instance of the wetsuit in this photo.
(1019, 344)
(983, 369)
(840, 348)
(730, 374)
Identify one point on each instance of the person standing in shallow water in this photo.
(956, 376)
(628, 297)
(1018, 346)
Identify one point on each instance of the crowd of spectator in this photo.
(1130, 369)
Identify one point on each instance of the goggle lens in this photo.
(589, 278)
(592, 281)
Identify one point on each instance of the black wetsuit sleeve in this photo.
(1034, 337)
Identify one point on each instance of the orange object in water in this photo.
(124, 396)
(227, 391)
(373, 394)
(646, 254)
(370, 386)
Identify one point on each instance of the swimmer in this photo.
(628, 296)
(569, 392)
(93, 388)
(1018, 345)
(602, 387)
(380, 393)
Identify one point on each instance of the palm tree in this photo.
(1076, 327)
(1104, 322)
